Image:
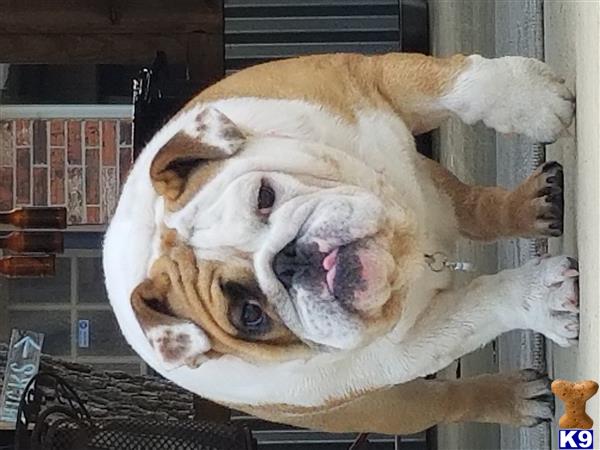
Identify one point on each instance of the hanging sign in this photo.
(22, 364)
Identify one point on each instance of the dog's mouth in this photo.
(355, 275)
(344, 273)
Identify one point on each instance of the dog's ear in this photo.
(206, 136)
(177, 342)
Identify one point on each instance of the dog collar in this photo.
(439, 261)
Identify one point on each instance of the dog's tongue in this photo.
(329, 264)
(330, 277)
(329, 260)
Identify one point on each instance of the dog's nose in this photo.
(285, 264)
(295, 258)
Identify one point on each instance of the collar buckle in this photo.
(439, 262)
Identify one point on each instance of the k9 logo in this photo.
(575, 439)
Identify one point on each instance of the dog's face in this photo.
(273, 246)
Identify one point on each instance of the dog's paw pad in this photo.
(534, 401)
(552, 104)
(514, 94)
(549, 199)
(537, 205)
(554, 299)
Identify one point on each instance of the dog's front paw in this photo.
(514, 94)
(552, 299)
(537, 205)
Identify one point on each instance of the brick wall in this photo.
(80, 164)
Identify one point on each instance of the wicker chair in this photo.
(52, 417)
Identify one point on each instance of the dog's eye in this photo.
(266, 198)
(252, 315)
(245, 311)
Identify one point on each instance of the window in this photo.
(56, 305)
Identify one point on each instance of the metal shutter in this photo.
(261, 30)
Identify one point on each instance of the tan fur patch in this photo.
(344, 83)
(168, 239)
(490, 212)
(408, 408)
(147, 301)
(536, 205)
(177, 161)
(182, 288)
(199, 178)
(188, 161)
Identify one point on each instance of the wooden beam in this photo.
(110, 16)
(100, 48)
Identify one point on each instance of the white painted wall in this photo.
(572, 42)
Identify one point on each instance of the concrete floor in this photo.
(567, 34)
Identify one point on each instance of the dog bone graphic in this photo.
(575, 395)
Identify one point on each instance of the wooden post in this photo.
(109, 32)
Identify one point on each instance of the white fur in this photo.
(192, 356)
(512, 94)
(431, 334)
(537, 296)
(214, 123)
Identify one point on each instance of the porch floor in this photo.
(566, 34)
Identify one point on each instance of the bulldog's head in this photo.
(272, 247)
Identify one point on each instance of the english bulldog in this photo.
(281, 248)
